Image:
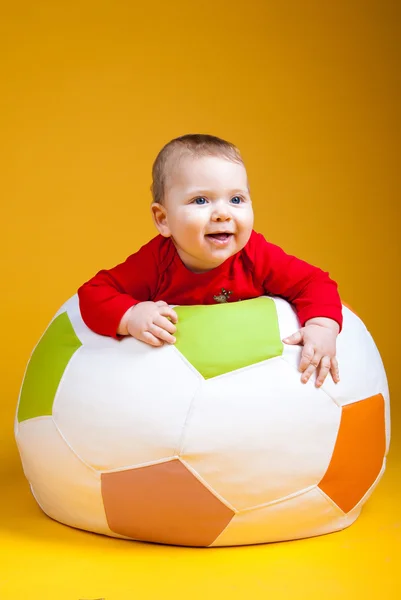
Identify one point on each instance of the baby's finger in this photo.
(162, 334)
(168, 312)
(307, 373)
(150, 339)
(335, 372)
(307, 356)
(164, 323)
(311, 368)
(172, 315)
(295, 338)
(325, 364)
(161, 303)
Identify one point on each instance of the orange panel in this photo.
(358, 454)
(163, 503)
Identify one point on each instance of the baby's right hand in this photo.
(149, 322)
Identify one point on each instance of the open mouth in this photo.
(221, 237)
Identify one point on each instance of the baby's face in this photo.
(208, 210)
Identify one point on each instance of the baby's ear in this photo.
(159, 215)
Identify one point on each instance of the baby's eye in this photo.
(236, 200)
(200, 200)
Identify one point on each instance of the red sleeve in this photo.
(106, 297)
(309, 289)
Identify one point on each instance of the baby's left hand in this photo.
(318, 337)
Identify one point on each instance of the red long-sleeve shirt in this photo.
(156, 272)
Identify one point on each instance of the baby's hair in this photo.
(192, 144)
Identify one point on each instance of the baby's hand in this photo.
(149, 322)
(318, 338)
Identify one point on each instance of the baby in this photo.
(207, 252)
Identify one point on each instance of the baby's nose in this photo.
(221, 213)
(222, 217)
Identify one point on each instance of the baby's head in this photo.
(201, 199)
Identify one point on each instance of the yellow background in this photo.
(310, 92)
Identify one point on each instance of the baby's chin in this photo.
(202, 266)
(209, 256)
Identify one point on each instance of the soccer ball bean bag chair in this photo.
(211, 442)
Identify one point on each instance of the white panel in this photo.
(65, 488)
(289, 324)
(361, 368)
(306, 515)
(287, 319)
(84, 334)
(258, 434)
(124, 405)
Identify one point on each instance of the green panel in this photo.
(220, 338)
(46, 367)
